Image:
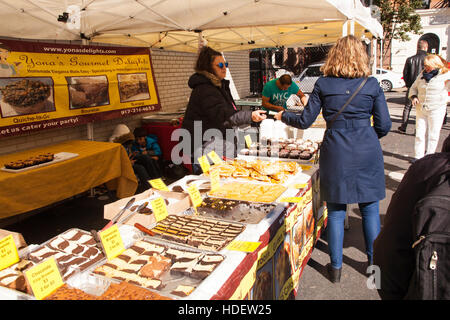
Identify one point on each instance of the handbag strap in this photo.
(348, 101)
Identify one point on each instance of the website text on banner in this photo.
(47, 85)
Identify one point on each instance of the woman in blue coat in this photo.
(351, 159)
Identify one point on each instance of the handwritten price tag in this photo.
(112, 242)
(195, 195)
(158, 184)
(215, 179)
(204, 163)
(44, 278)
(243, 246)
(214, 157)
(159, 209)
(248, 140)
(8, 252)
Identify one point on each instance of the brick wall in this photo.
(239, 66)
(172, 71)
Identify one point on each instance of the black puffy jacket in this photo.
(413, 66)
(211, 103)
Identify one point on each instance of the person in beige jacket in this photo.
(429, 96)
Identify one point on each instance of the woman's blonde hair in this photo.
(347, 59)
(436, 62)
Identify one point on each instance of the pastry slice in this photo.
(183, 290)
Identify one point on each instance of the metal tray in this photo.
(235, 210)
(75, 270)
(170, 281)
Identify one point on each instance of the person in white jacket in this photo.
(428, 95)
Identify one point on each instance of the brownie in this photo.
(305, 155)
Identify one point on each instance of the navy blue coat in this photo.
(351, 159)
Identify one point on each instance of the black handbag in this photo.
(316, 158)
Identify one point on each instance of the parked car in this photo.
(389, 80)
(308, 77)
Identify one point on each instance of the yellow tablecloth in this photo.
(96, 163)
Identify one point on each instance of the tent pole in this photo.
(374, 56)
(381, 54)
(89, 125)
(352, 27)
(345, 28)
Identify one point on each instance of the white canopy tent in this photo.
(175, 24)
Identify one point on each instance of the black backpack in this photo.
(431, 226)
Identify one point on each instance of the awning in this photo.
(227, 25)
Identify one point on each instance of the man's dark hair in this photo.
(422, 45)
(285, 79)
(205, 59)
(140, 132)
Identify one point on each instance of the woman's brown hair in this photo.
(205, 59)
(347, 59)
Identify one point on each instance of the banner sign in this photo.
(49, 85)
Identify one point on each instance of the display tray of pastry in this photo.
(199, 232)
(37, 161)
(296, 149)
(261, 170)
(160, 266)
(115, 291)
(74, 251)
(265, 193)
(234, 210)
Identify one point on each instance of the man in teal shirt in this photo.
(277, 91)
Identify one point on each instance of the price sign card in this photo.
(243, 246)
(248, 141)
(195, 195)
(214, 157)
(112, 242)
(298, 185)
(215, 179)
(204, 163)
(291, 199)
(44, 278)
(159, 209)
(158, 184)
(8, 252)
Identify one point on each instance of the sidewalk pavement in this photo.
(398, 149)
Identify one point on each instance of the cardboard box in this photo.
(183, 203)
(18, 238)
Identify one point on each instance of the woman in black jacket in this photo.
(211, 109)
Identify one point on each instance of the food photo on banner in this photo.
(49, 85)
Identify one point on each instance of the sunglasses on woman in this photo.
(221, 65)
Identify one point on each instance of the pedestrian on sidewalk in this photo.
(351, 160)
(413, 66)
(428, 95)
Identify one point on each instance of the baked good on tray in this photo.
(248, 192)
(29, 162)
(13, 277)
(198, 232)
(73, 250)
(141, 266)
